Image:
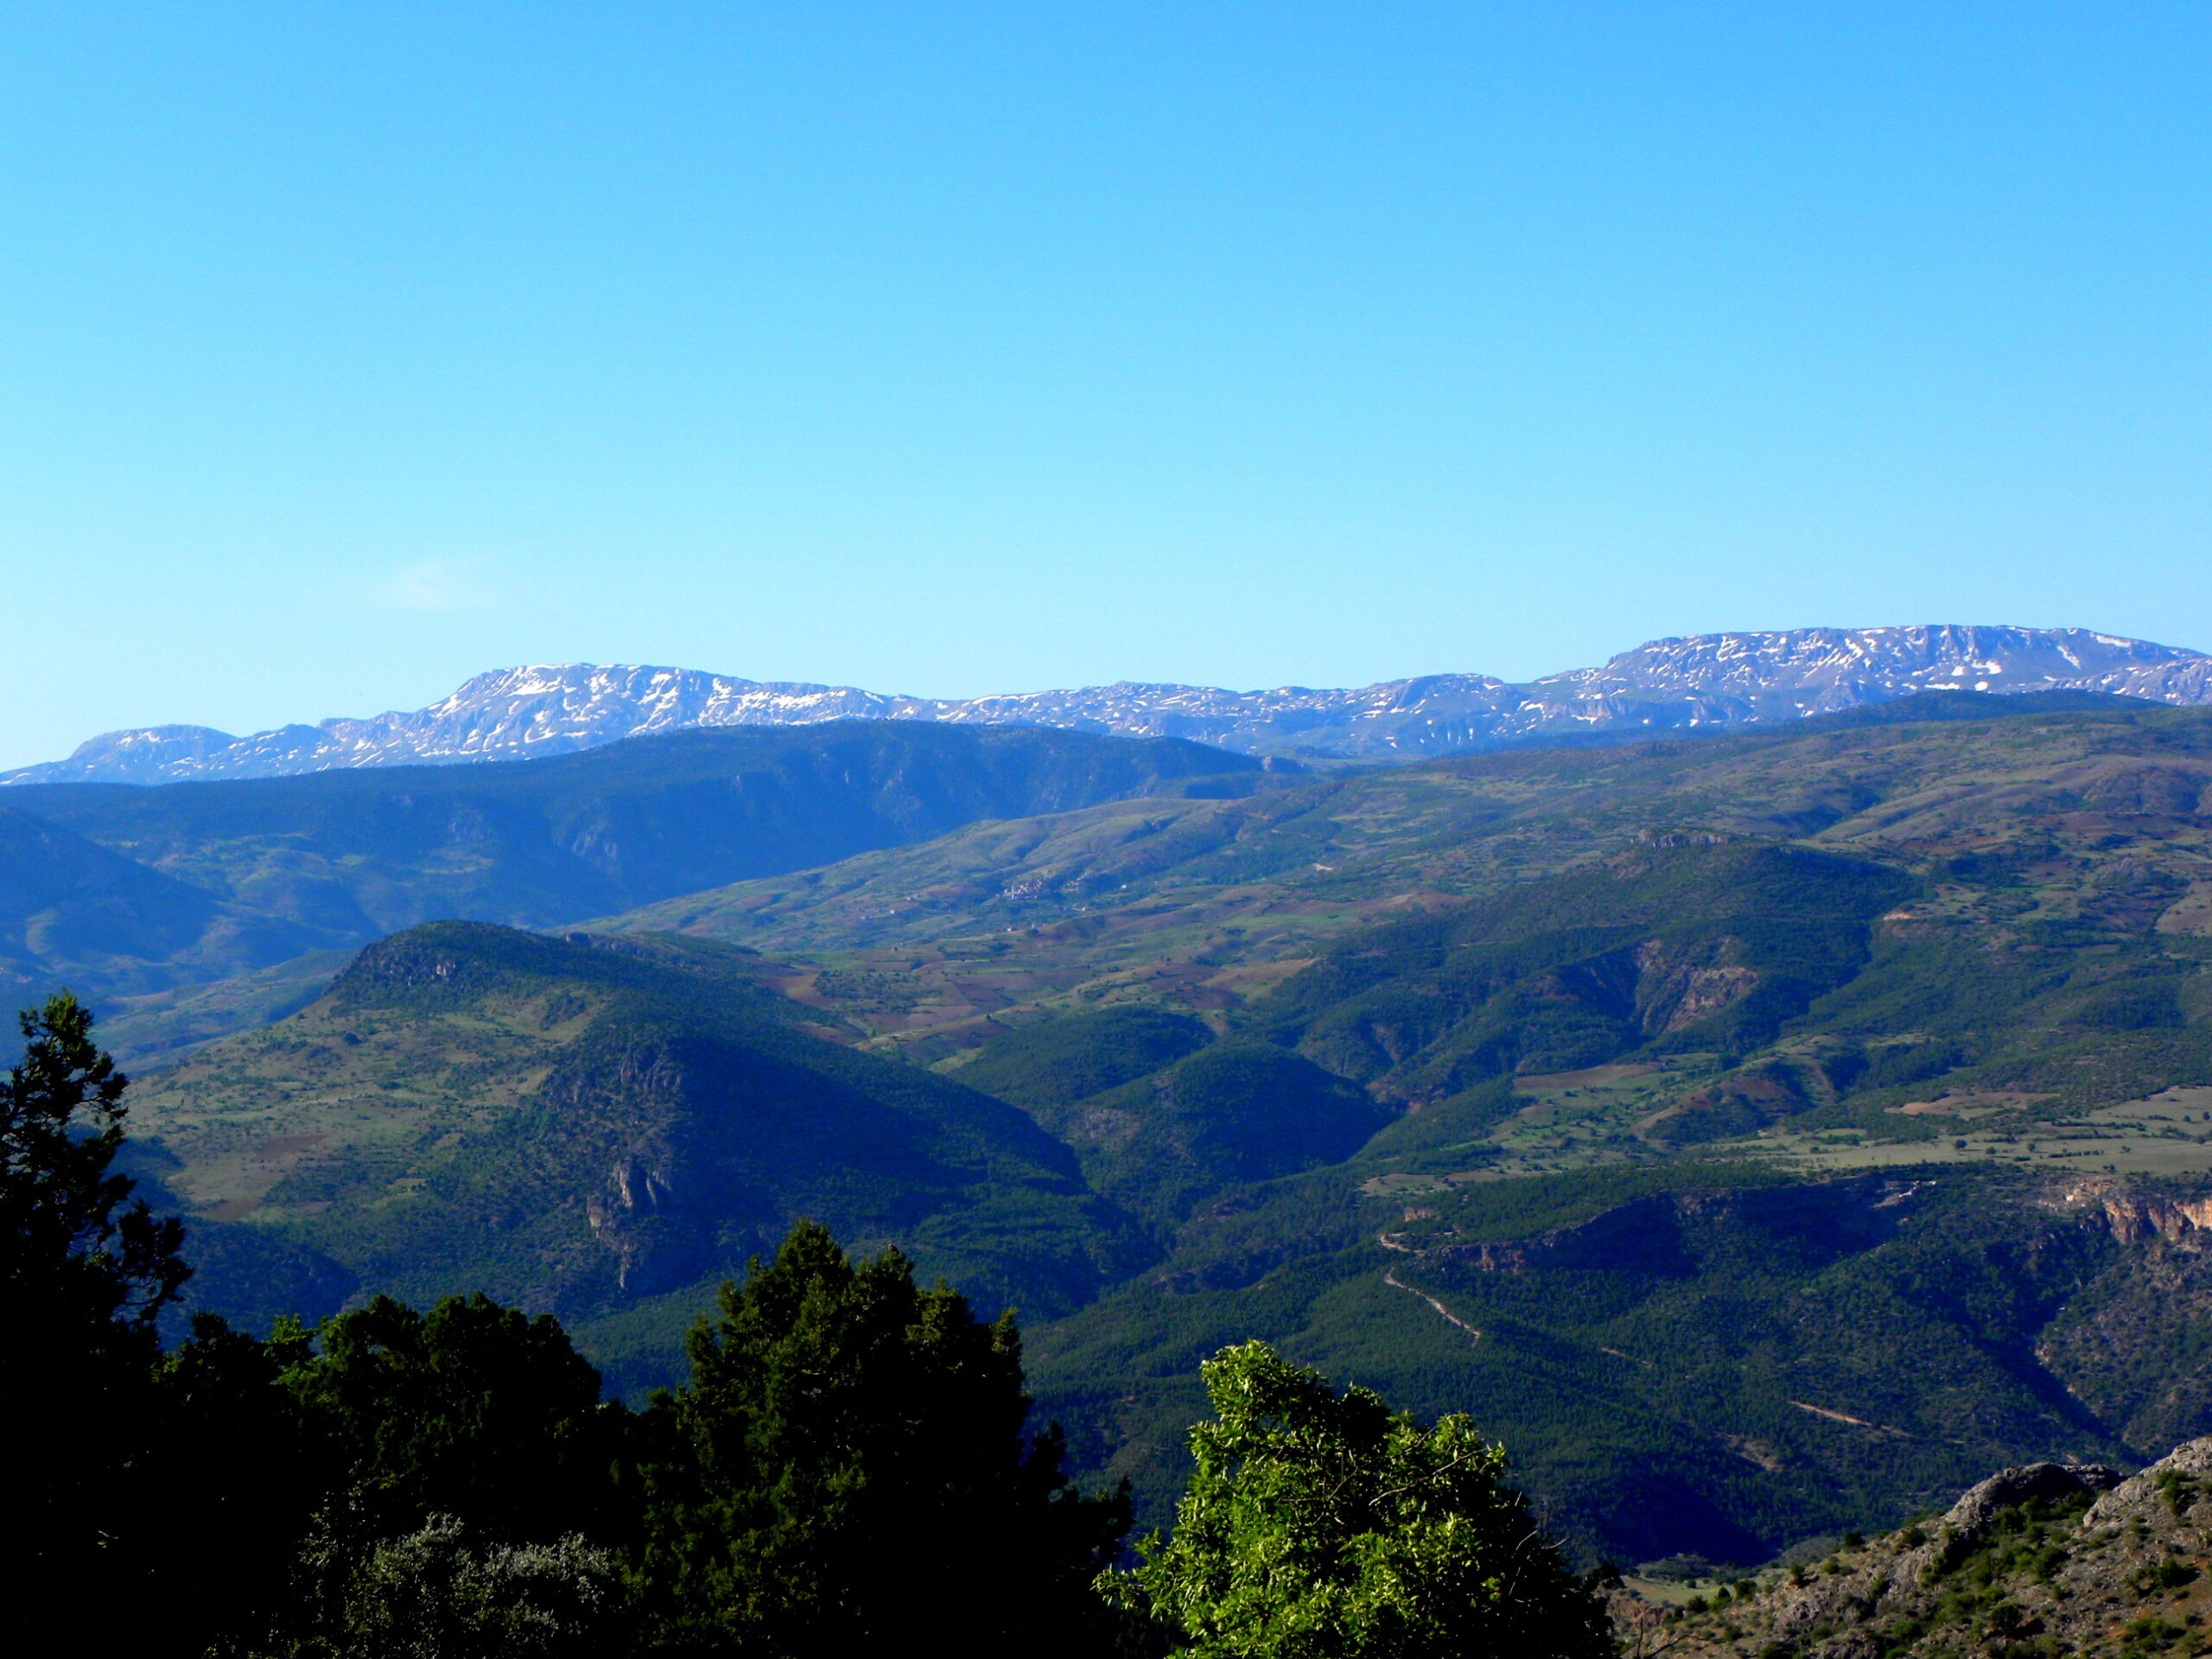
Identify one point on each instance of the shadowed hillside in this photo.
(584, 1127)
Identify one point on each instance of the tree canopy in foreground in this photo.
(849, 1466)
(1319, 1525)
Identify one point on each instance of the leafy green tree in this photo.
(85, 1270)
(438, 1592)
(1320, 1525)
(849, 1446)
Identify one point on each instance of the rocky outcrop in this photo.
(641, 1096)
(2047, 1559)
(1676, 987)
(2136, 1217)
(2140, 1498)
(1968, 1522)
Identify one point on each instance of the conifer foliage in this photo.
(78, 1250)
(84, 1272)
(845, 1437)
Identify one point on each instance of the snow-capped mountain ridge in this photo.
(1672, 685)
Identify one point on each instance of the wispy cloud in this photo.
(435, 585)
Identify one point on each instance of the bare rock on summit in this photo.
(1969, 1518)
(2189, 1464)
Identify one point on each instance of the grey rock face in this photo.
(2073, 1579)
(1970, 1516)
(1665, 687)
(2139, 1494)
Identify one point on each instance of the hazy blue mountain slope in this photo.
(74, 911)
(149, 892)
(544, 841)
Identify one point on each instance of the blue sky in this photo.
(348, 350)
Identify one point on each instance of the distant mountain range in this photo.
(1708, 682)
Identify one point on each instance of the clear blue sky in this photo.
(349, 349)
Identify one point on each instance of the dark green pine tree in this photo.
(85, 1270)
(474, 1411)
(448, 1464)
(238, 1481)
(847, 1471)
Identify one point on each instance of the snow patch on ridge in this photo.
(1692, 683)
